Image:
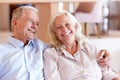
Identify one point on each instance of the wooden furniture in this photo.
(46, 9)
(42, 1)
(90, 12)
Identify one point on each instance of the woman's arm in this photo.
(51, 71)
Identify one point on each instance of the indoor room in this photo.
(100, 21)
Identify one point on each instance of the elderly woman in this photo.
(73, 56)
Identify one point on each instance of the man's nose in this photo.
(34, 25)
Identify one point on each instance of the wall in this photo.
(4, 17)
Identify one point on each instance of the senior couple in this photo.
(71, 57)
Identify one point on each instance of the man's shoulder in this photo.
(40, 43)
(3, 45)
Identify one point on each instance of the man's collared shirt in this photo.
(19, 62)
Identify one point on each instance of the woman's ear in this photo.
(75, 26)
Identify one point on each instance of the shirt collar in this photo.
(17, 43)
(63, 51)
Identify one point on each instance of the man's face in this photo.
(26, 27)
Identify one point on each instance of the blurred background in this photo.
(104, 32)
(109, 26)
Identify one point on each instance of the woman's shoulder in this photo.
(50, 50)
(91, 48)
(90, 44)
(51, 53)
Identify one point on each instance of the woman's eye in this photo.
(67, 24)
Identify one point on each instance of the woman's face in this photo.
(64, 28)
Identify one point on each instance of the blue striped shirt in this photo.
(19, 62)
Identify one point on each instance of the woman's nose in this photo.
(64, 28)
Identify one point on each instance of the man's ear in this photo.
(14, 22)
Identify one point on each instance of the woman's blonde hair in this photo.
(80, 38)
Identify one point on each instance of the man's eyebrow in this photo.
(31, 19)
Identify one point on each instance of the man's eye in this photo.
(37, 23)
(58, 26)
(30, 20)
